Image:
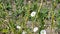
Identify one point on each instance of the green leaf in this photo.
(4, 30)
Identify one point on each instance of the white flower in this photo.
(43, 32)
(33, 14)
(35, 29)
(29, 1)
(24, 32)
(18, 27)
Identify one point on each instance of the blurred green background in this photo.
(15, 13)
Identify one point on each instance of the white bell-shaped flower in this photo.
(43, 32)
(35, 29)
(33, 13)
(18, 27)
(24, 32)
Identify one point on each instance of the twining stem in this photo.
(52, 17)
(40, 5)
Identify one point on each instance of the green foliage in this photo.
(21, 14)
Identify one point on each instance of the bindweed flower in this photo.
(33, 14)
(24, 32)
(43, 32)
(35, 29)
(29, 1)
(18, 27)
